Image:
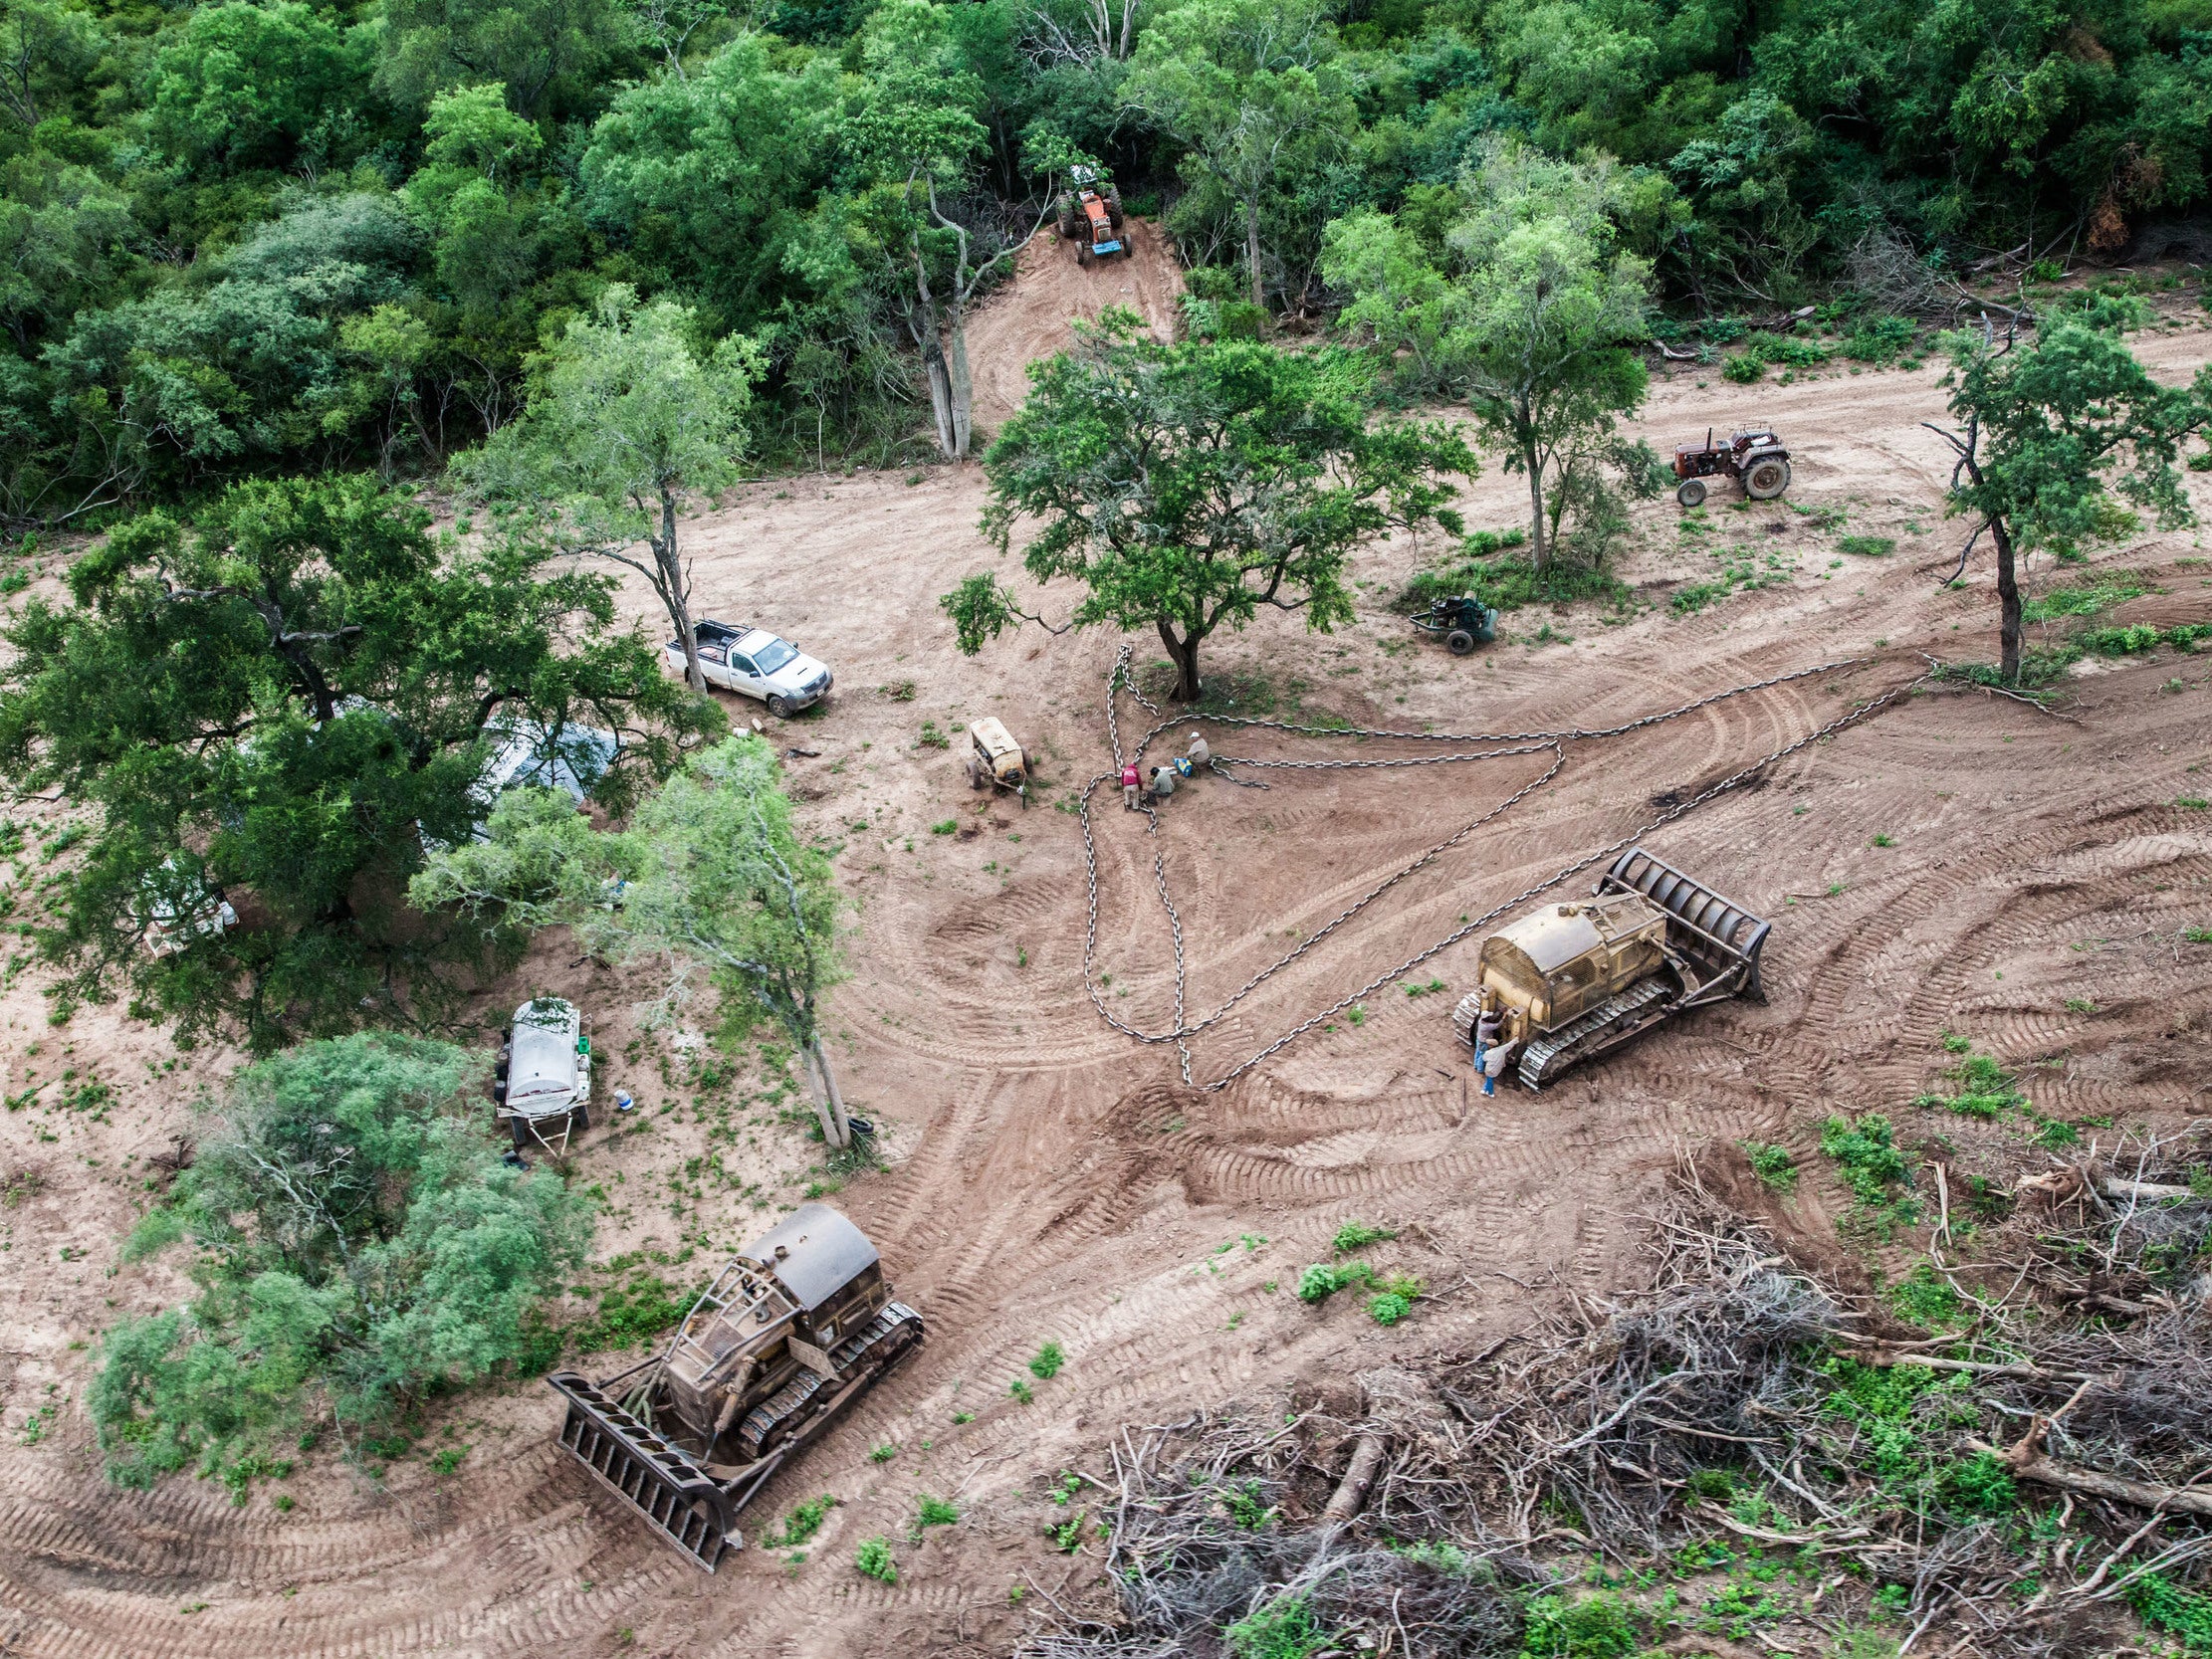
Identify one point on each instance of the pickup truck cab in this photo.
(742, 658)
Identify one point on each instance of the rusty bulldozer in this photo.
(790, 1333)
(1570, 982)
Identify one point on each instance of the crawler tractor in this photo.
(787, 1335)
(1090, 216)
(1572, 981)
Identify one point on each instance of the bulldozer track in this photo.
(1506, 744)
(887, 1338)
(1614, 1017)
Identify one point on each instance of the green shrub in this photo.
(1926, 1299)
(2088, 600)
(1867, 546)
(1978, 1485)
(1595, 1627)
(1745, 368)
(1773, 1165)
(873, 1558)
(1389, 1308)
(934, 1512)
(1879, 339)
(359, 1242)
(1281, 1629)
(1866, 1152)
(2164, 1605)
(1508, 584)
(1045, 1364)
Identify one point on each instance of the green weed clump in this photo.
(2164, 1605)
(1773, 1165)
(933, 1512)
(1879, 340)
(873, 1558)
(1045, 1364)
(1284, 1628)
(1394, 1291)
(1867, 546)
(1865, 1154)
(1987, 1090)
(1354, 1234)
(1927, 1300)
(1598, 1626)
(802, 1523)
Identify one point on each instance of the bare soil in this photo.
(1050, 1179)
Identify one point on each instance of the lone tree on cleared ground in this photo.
(711, 873)
(1187, 484)
(2063, 439)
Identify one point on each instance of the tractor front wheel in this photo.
(1458, 642)
(1690, 492)
(1765, 480)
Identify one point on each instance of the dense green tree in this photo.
(628, 423)
(1532, 313)
(1254, 89)
(244, 83)
(357, 1243)
(2063, 441)
(712, 876)
(556, 58)
(1186, 486)
(286, 698)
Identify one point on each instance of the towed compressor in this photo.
(792, 1332)
(1570, 982)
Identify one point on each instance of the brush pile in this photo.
(1741, 1457)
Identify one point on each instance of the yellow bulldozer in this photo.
(1569, 982)
(791, 1332)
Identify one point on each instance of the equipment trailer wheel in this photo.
(1765, 480)
(1690, 492)
(1458, 642)
(520, 1125)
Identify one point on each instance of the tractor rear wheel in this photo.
(1458, 642)
(1113, 206)
(1765, 480)
(1069, 219)
(1690, 492)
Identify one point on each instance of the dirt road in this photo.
(1054, 1179)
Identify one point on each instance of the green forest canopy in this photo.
(251, 238)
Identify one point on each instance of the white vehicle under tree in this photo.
(541, 1083)
(740, 658)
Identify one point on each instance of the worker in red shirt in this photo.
(1132, 780)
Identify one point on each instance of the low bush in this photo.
(359, 1244)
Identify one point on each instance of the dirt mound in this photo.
(1028, 317)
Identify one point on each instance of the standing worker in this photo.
(1131, 780)
(1489, 1052)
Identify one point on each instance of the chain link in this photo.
(1509, 744)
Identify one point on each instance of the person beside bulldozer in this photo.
(1492, 1053)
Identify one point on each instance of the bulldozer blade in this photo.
(1725, 937)
(677, 1498)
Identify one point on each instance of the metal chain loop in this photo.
(1510, 745)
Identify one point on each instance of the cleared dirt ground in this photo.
(1050, 1179)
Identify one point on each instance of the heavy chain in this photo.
(1507, 744)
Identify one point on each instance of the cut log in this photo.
(1350, 1496)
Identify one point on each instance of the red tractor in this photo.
(1090, 216)
(1754, 459)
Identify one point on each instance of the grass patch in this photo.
(1354, 1234)
(1865, 1154)
(1282, 1629)
(1867, 546)
(2092, 599)
(1508, 584)
(802, 1523)
(1045, 1364)
(1986, 1091)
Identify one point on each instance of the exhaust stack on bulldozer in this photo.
(1573, 981)
(790, 1333)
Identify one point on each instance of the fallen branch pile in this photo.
(2012, 1486)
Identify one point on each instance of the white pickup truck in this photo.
(742, 658)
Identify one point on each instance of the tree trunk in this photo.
(1184, 653)
(933, 353)
(1539, 545)
(836, 1123)
(2008, 601)
(960, 385)
(679, 600)
(1252, 248)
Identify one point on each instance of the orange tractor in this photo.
(1090, 216)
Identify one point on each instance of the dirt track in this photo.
(1054, 1179)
